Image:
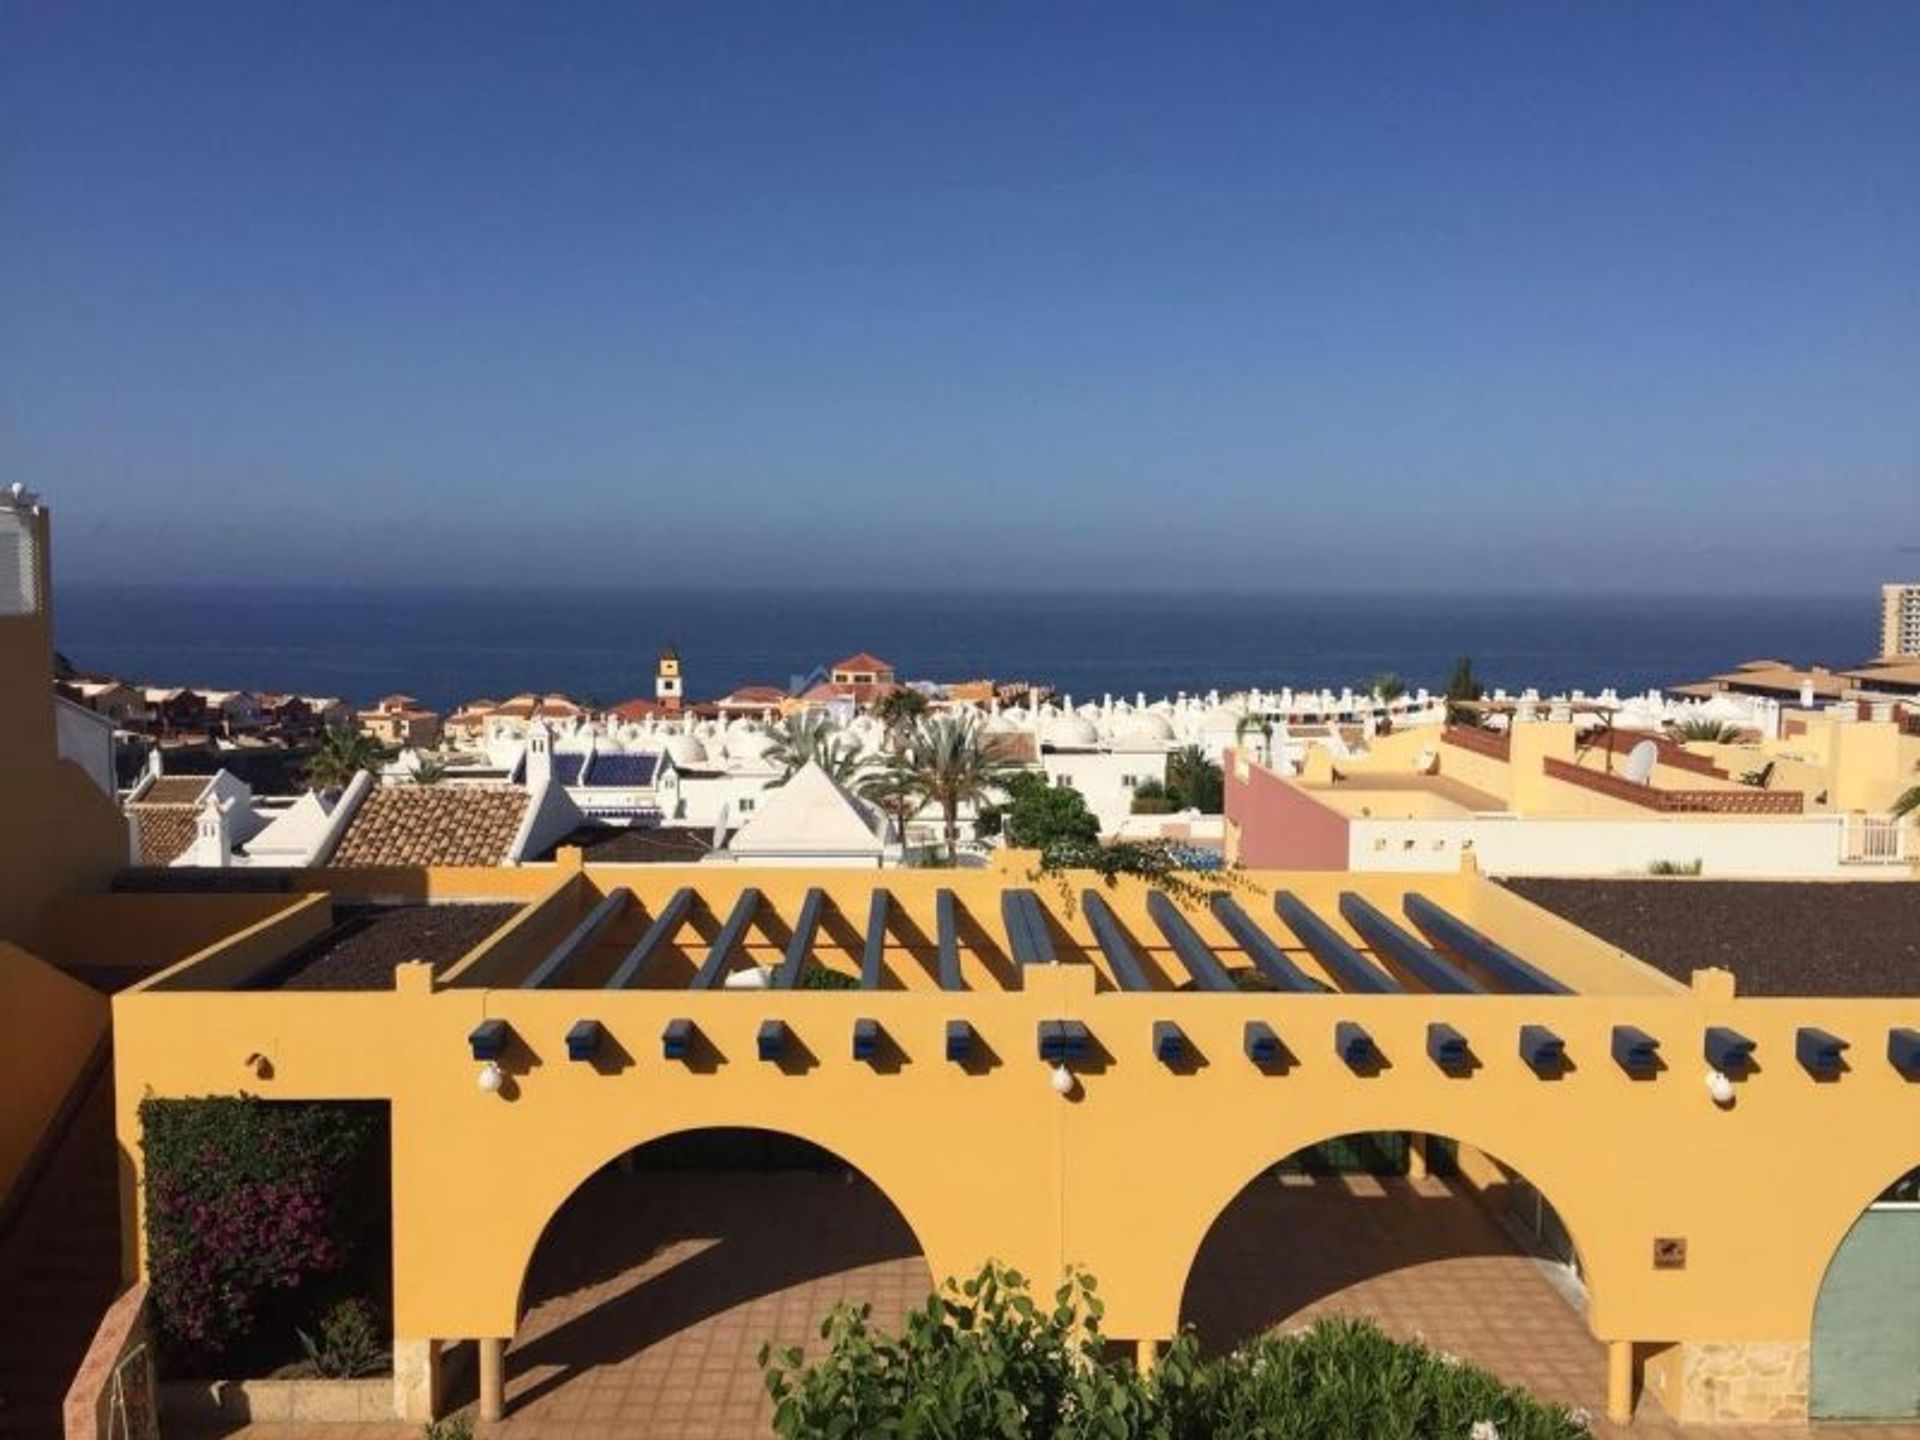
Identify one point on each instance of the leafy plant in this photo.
(1386, 687)
(1908, 802)
(824, 977)
(1150, 797)
(1036, 814)
(1463, 688)
(900, 708)
(343, 753)
(1676, 867)
(349, 1344)
(1346, 1379)
(986, 1358)
(429, 772)
(1194, 782)
(1705, 730)
(454, 1427)
(245, 1199)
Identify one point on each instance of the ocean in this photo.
(448, 645)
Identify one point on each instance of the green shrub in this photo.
(822, 977)
(984, 1359)
(1676, 867)
(248, 1200)
(349, 1344)
(1345, 1377)
(455, 1427)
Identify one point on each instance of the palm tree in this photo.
(428, 771)
(1706, 730)
(895, 792)
(1386, 687)
(811, 737)
(1908, 802)
(1193, 781)
(900, 708)
(344, 752)
(948, 761)
(1463, 688)
(1261, 725)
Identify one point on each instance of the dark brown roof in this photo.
(165, 831)
(367, 941)
(641, 845)
(433, 825)
(175, 790)
(1777, 937)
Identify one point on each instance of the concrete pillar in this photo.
(1146, 1354)
(418, 1380)
(1418, 1167)
(493, 1379)
(1620, 1381)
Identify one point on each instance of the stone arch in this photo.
(1861, 1357)
(606, 1152)
(1561, 1190)
(714, 1237)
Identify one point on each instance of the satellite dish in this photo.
(1640, 762)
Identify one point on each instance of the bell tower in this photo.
(666, 679)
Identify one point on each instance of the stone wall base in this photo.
(1731, 1382)
(206, 1404)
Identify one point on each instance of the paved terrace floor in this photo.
(653, 1294)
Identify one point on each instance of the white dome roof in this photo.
(685, 750)
(1147, 725)
(748, 744)
(1069, 732)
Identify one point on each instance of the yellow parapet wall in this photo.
(58, 1026)
(1127, 1174)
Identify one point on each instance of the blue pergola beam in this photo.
(583, 1039)
(947, 924)
(1063, 1041)
(671, 915)
(866, 1039)
(488, 1040)
(579, 938)
(1635, 1051)
(1402, 953)
(1026, 926)
(1352, 970)
(873, 963)
(1354, 1045)
(1819, 1052)
(1448, 1048)
(1205, 968)
(1267, 957)
(787, 977)
(1488, 955)
(676, 1041)
(1169, 1042)
(714, 969)
(1260, 1042)
(1113, 942)
(959, 1041)
(1544, 1051)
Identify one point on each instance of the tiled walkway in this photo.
(653, 1293)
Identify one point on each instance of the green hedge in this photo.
(986, 1359)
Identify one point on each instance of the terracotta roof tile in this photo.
(175, 790)
(433, 825)
(165, 831)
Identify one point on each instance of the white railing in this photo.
(1875, 840)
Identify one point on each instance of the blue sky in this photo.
(1188, 297)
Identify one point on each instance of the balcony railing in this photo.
(1745, 801)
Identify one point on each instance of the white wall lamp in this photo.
(490, 1078)
(1720, 1088)
(1062, 1080)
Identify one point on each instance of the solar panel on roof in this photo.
(622, 769)
(566, 768)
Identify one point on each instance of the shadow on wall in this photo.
(1290, 1241)
(688, 1229)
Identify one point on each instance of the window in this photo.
(19, 565)
(1063, 782)
(746, 804)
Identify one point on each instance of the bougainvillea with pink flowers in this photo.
(246, 1199)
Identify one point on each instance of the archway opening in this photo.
(1432, 1239)
(1865, 1358)
(654, 1287)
